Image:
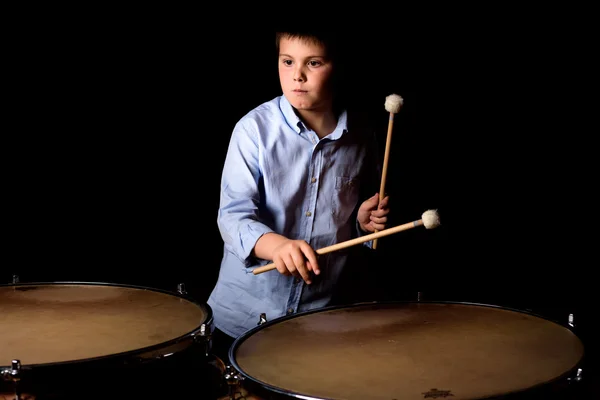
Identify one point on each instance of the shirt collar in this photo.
(296, 123)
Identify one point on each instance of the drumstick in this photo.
(430, 219)
(393, 103)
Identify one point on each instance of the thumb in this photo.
(374, 199)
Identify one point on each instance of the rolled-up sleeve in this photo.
(238, 210)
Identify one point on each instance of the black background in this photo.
(115, 132)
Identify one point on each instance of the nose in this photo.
(298, 75)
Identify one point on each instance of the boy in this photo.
(295, 173)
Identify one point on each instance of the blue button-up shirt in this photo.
(280, 177)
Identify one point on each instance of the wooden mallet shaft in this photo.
(393, 103)
(430, 219)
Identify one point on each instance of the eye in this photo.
(314, 63)
(286, 62)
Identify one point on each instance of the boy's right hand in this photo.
(297, 258)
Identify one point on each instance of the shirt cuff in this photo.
(361, 233)
(248, 240)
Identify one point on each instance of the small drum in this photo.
(406, 351)
(94, 340)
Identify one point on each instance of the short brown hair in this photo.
(327, 39)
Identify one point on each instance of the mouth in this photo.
(299, 91)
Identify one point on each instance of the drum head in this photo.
(406, 351)
(54, 323)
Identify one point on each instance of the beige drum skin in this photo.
(405, 351)
(98, 341)
(57, 323)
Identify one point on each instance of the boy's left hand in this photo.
(372, 214)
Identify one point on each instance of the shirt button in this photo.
(290, 311)
(297, 280)
(308, 213)
(313, 180)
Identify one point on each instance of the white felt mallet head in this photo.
(431, 219)
(393, 102)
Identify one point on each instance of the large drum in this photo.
(94, 340)
(407, 351)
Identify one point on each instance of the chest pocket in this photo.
(345, 198)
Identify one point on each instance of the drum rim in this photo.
(189, 336)
(287, 393)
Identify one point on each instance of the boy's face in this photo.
(305, 75)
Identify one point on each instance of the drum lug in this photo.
(262, 319)
(234, 379)
(13, 374)
(204, 336)
(571, 320)
(577, 378)
(181, 289)
(15, 279)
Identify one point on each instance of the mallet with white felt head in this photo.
(430, 219)
(393, 103)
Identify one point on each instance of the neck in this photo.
(323, 123)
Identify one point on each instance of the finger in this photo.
(384, 202)
(281, 267)
(377, 226)
(279, 264)
(305, 274)
(311, 258)
(312, 268)
(301, 267)
(379, 213)
(378, 220)
(379, 216)
(298, 259)
(373, 201)
(290, 265)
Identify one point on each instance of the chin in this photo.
(300, 105)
